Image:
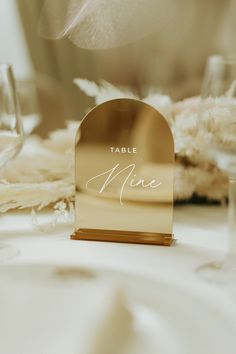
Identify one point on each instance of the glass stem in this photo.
(232, 216)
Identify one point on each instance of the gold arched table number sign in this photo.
(124, 172)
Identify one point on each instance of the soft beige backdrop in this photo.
(172, 59)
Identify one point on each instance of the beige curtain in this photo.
(172, 59)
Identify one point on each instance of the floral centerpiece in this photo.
(43, 173)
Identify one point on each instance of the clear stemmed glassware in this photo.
(220, 84)
(11, 133)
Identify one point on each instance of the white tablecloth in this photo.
(200, 231)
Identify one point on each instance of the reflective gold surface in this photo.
(124, 174)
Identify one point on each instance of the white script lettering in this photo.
(129, 179)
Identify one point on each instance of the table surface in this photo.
(201, 234)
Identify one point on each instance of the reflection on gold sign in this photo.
(124, 174)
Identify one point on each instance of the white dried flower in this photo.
(63, 214)
(162, 103)
(43, 173)
(103, 92)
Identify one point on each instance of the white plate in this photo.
(168, 319)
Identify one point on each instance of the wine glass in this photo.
(220, 84)
(11, 133)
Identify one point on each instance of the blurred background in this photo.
(171, 60)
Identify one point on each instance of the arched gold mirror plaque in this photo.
(124, 175)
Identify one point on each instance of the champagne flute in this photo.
(220, 84)
(11, 133)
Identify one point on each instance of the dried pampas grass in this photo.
(43, 173)
(30, 195)
(105, 92)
